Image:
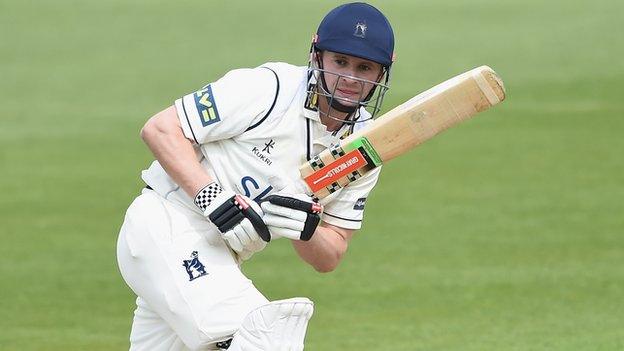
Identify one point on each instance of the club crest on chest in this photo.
(194, 267)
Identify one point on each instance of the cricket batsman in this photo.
(225, 183)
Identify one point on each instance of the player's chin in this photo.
(348, 100)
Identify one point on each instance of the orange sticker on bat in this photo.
(339, 168)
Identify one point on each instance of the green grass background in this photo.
(505, 233)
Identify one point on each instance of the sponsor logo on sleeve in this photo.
(359, 204)
(206, 107)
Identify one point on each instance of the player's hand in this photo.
(238, 218)
(293, 216)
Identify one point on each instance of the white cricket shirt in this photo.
(252, 131)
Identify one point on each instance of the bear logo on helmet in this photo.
(360, 30)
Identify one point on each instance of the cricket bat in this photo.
(403, 128)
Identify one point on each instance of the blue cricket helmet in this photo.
(357, 29)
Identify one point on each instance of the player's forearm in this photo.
(164, 137)
(325, 250)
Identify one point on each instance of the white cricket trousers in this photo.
(190, 291)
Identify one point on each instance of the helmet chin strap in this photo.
(340, 107)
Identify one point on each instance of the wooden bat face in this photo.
(403, 128)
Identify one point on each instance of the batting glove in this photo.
(291, 216)
(238, 218)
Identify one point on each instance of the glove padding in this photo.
(291, 216)
(239, 219)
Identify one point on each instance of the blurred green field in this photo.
(505, 233)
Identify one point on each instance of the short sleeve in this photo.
(347, 209)
(229, 106)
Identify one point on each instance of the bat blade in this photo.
(403, 128)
